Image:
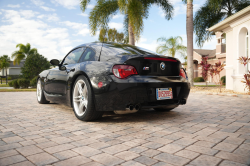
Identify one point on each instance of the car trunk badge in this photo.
(162, 66)
(145, 68)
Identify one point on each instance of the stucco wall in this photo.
(236, 47)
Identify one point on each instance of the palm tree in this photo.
(190, 44)
(133, 10)
(212, 12)
(171, 46)
(23, 52)
(5, 63)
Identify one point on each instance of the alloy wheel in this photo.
(80, 97)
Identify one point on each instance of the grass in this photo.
(17, 90)
(4, 85)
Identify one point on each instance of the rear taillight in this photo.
(123, 71)
(183, 73)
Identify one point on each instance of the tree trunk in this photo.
(131, 35)
(190, 30)
(6, 77)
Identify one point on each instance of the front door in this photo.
(57, 80)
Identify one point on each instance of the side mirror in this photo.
(55, 62)
(63, 68)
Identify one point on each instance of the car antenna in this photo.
(102, 42)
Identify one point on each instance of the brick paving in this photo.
(208, 131)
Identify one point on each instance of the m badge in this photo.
(145, 68)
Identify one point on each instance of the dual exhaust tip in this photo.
(132, 107)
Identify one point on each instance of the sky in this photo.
(54, 27)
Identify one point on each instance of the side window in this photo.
(88, 55)
(74, 56)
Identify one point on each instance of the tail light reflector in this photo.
(123, 71)
(183, 73)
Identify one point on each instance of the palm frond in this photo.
(101, 14)
(84, 4)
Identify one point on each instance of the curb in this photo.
(224, 94)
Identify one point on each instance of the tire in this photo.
(40, 94)
(83, 100)
(166, 109)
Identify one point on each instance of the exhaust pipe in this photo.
(183, 101)
(137, 107)
(131, 107)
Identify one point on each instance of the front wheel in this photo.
(40, 94)
(83, 100)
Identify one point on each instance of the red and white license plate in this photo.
(164, 93)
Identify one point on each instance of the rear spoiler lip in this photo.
(161, 59)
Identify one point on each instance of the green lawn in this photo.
(4, 85)
(17, 90)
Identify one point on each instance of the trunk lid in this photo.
(156, 65)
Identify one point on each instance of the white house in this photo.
(13, 70)
(237, 28)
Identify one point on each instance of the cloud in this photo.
(69, 4)
(84, 14)
(13, 6)
(117, 16)
(81, 29)
(37, 2)
(117, 26)
(52, 42)
(90, 6)
(180, 7)
(47, 8)
(49, 17)
(146, 44)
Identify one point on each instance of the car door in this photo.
(57, 79)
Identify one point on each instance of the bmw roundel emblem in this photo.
(162, 66)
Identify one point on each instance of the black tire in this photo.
(41, 99)
(90, 113)
(166, 109)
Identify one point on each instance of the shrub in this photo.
(198, 79)
(223, 80)
(24, 83)
(34, 65)
(33, 82)
(15, 84)
(9, 78)
(10, 83)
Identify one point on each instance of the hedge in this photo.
(199, 79)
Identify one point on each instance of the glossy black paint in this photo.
(116, 94)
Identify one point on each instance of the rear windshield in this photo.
(125, 49)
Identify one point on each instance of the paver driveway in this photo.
(209, 130)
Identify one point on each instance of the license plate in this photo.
(164, 93)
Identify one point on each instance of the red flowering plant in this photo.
(215, 71)
(245, 61)
(205, 68)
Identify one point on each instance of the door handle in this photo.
(71, 70)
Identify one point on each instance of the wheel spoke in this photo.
(85, 92)
(77, 99)
(79, 85)
(85, 103)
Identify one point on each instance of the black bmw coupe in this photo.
(97, 77)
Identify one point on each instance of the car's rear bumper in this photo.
(118, 94)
